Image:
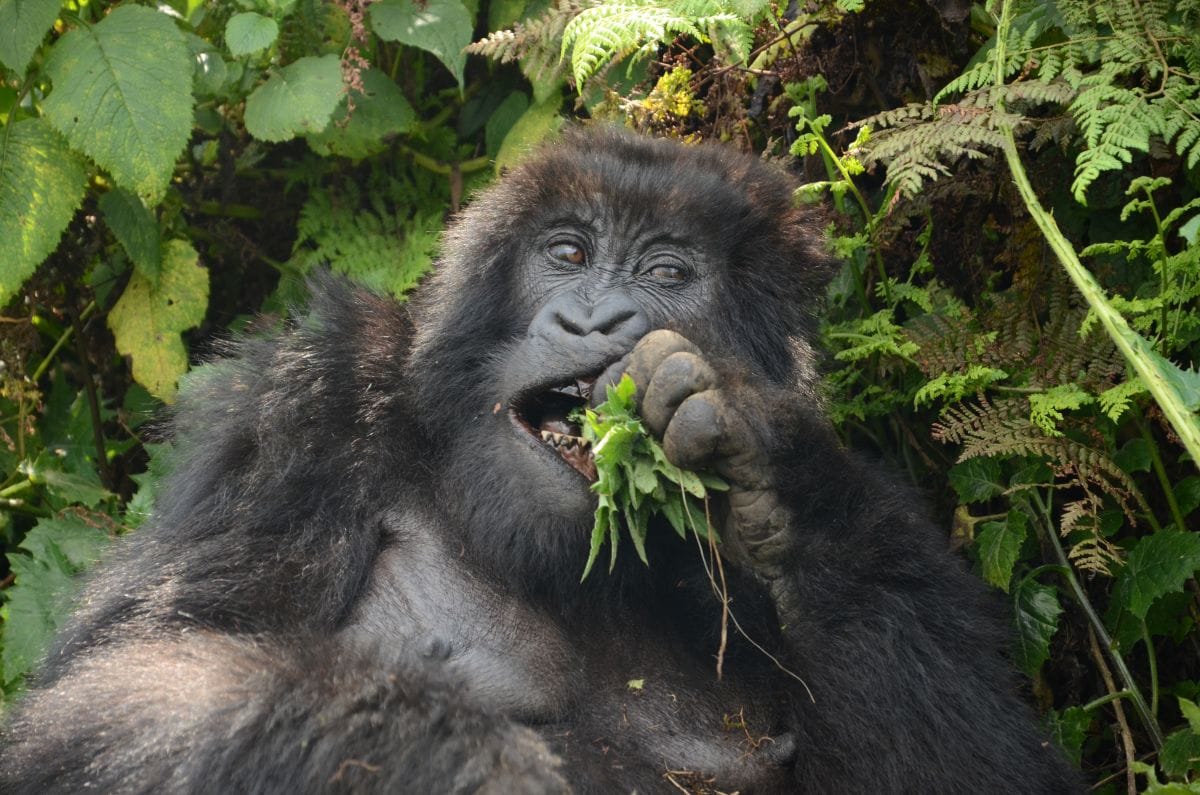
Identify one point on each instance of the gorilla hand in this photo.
(682, 401)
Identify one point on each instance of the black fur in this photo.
(360, 577)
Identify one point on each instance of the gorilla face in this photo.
(584, 252)
(598, 286)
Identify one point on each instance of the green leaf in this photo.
(1160, 563)
(381, 112)
(123, 95)
(502, 120)
(37, 602)
(41, 185)
(67, 488)
(150, 316)
(300, 98)
(441, 27)
(1135, 456)
(1180, 753)
(1191, 712)
(23, 25)
(999, 547)
(535, 125)
(1036, 615)
(80, 543)
(135, 229)
(1187, 494)
(976, 479)
(249, 32)
(1069, 729)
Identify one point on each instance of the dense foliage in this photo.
(1015, 192)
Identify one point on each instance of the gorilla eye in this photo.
(669, 271)
(569, 253)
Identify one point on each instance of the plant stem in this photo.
(1106, 699)
(1160, 471)
(1136, 350)
(1152, 658)
(1068, 574)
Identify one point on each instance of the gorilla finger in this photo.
(694, 435)
(611, 375)
(680, 375)
(649, 353)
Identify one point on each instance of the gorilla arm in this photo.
(208, 711)
(883, 625)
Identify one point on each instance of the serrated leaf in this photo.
(300, 98)
(1069, 729)
(37, 602)
(976, 479)
(123, 95)
(249, 32)
(1036, 615)
(1160, 563)
(379, 113)
(33, 607)
(1191, 713)
(999, 546)
(1187, 494)
(1180, 753)
(441, 27)
(42, 183)
(135, 229)
(150, 316)
(23, 25)
(80, 543)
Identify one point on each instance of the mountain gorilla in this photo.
(363, 574)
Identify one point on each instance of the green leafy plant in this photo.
(635, 481)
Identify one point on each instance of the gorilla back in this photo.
(363, 573)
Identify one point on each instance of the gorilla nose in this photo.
(567, 319)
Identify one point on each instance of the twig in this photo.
(1126, 735)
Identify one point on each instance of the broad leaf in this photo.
(41, 185)
(249, 32)
(976, 479)
(123, 95)
(535, 125)
(23, 25)
(1160, 563)
(300, 98)
(151, 314)
(379, 113)
(999, 546)
(38, 600)
(442, 27)
(135, 229)
(1036, 616)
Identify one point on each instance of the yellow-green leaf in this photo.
(150, 316)
(41, 185)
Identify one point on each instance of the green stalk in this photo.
(1140, 706)
(1134, 347)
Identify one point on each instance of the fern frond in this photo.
(608, 31)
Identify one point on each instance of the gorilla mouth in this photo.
(543, 415)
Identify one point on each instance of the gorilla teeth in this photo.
(555, 439)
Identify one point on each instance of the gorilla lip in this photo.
(542, 415)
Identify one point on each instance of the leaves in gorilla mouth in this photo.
(635, 481)
(547, 416)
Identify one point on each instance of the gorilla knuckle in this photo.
(694, 435)
(680, 374)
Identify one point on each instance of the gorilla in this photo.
(363, 574)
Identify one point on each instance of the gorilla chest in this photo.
(622, 703)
